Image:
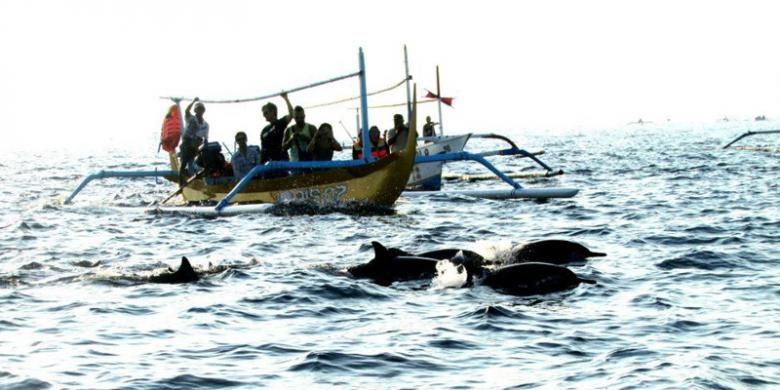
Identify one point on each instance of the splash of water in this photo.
(449, 275)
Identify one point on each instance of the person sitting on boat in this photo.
(323, 144)
(379, 148)
(245, 157)
(396, 137)
(428, 130)
(195, 134)
(272, 135)
(298, 136)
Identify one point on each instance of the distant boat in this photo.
(760, 118)
(640, 122)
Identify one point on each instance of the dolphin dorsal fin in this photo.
(380, 252)
(185, 264)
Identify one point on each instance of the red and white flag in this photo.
(445, 100)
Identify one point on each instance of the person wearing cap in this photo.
(195, 134)
(396, 137)
(272, 135)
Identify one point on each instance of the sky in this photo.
(80, 73)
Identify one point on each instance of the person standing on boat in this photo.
(272, 135)
(298, 136)
(396, 137)
(323, 144)
(195, 134)
(245, 157)
(428, 130)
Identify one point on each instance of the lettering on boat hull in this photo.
(322, 195)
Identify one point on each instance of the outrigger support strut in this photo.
(514, 150)
(109, 174)
(462, 156)
(749, 133)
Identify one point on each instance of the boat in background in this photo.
(427, 176)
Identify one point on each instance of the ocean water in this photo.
(688, 296)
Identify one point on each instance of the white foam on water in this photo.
(493, 250)
(449, 275)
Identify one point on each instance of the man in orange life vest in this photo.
(378, 146)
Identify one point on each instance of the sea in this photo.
(688, 296)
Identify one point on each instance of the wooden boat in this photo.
(366, 181)
(378, 183)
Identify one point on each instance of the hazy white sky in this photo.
(91, 71)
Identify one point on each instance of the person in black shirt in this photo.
(272, 135)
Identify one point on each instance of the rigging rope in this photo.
(358, 97)
(396, 104)
(252, 99)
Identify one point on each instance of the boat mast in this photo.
(408, 94)
(438, 93)
(364, 109)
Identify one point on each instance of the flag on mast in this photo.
(445, 100)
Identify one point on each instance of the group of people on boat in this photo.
(393, 140)
(279, 141)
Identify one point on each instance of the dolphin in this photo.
(551, 251)
(528, 278)
(392, 265)
(184, 274)
(533, 278)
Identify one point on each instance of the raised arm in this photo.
(289, 106)
(187, 113)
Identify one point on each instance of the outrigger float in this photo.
(366, 181)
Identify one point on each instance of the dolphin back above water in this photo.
(533, 278)
(552, 251)
(393, 265)
(184, 274)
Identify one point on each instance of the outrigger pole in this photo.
(107, 174)
(364, 109)
(408, 94)
(438, 94)
(749, 133)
